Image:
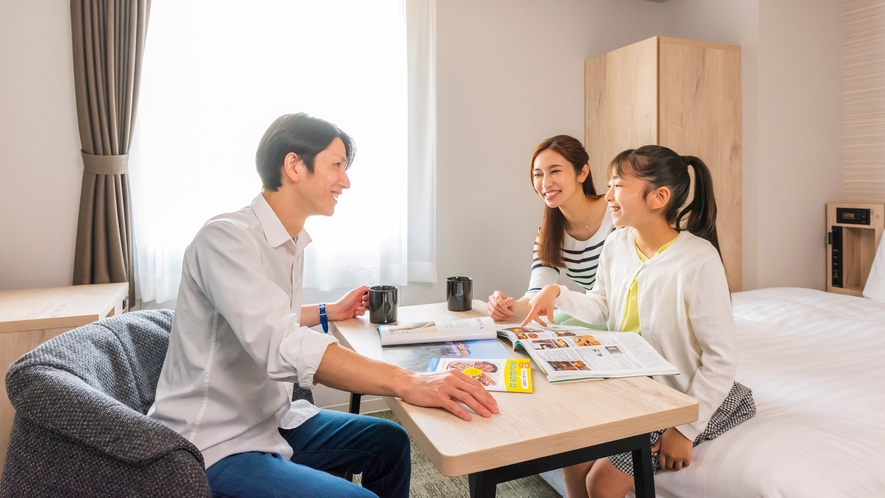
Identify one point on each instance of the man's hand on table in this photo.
(447, 390)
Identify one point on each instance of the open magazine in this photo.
(571, 353)
(462, 329)
(418, 357)
(510, 375)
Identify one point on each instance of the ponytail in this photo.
(661, 167)
(701, 212)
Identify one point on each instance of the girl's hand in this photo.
(675, 450)
(354, 303)
(542, 304)
(500, 306)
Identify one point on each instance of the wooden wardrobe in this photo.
(682, 94)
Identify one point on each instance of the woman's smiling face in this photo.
(554, 178)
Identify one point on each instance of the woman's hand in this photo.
(542, 304)
(354, 303)
(674, 450)
(500, 306)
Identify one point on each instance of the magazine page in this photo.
(417, 357)
(600, 355)
(509, 375)
(569, 352)
(515, 332)
(437, 331)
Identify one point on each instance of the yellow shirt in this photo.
(630, 322)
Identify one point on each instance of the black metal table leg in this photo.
(355, 403)
(481, 486)
(355, 409)
(643, 474)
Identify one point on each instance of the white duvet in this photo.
(816, 364)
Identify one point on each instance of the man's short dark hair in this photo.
(302, 134)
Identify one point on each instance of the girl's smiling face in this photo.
(627, 200)
(554, 178)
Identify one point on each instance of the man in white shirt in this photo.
(240, 337)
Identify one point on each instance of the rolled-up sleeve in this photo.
(305, 352)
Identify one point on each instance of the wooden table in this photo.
(31, 317)
(556, 426)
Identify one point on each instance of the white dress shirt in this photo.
(236, 343)
(684, 308)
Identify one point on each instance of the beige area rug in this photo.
(428, 483)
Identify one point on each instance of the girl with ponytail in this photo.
(661, 277)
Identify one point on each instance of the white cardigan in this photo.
(684, 311)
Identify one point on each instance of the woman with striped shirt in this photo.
(575, 225)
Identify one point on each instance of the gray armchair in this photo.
(80, 427)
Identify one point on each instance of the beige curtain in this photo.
(108, 42)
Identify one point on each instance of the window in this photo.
(217, 73)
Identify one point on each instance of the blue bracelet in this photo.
(324, 320)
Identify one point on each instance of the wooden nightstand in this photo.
(30, 317)
(853, 234)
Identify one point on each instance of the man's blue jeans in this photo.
(329, 441)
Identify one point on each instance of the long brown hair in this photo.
(553, 226)
(661, 167)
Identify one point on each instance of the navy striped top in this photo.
(581, 259)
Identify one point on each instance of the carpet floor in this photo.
(428, 483)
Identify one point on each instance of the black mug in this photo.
(382, 304)
(459, 293)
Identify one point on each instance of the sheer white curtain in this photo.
(217, 73)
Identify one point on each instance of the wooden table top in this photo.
(554, 419)
(58, 307)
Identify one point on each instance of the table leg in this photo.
(355, 409)
(481, 486)
(355, 403)
(643, 474)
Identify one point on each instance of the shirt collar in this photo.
(274, 231)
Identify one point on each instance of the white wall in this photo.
(40, 167)
(799, 137)
(510, 73)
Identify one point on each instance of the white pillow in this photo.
(875, 288)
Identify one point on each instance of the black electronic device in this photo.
(853, 216)
(836, 255)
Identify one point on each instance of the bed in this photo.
(816, 364)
